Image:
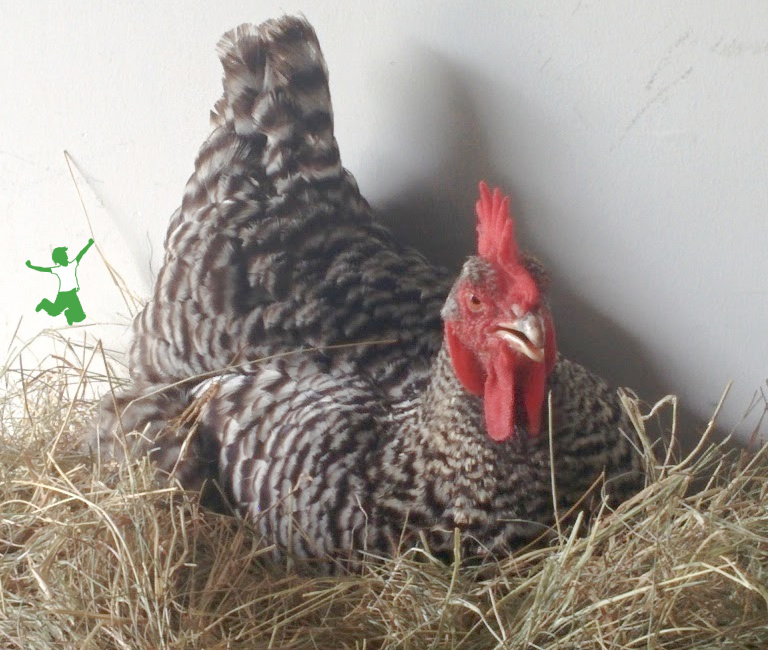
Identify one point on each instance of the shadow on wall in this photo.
(435, 214)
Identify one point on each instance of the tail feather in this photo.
(267, 194)
(276, 84)
(273, 126)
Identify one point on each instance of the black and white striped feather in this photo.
(268, 316)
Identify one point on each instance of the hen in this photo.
(337, 388)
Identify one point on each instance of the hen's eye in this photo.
(474, 303)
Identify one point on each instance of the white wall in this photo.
(632, 136)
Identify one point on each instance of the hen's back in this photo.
(274, 249)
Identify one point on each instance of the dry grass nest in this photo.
(104, 557)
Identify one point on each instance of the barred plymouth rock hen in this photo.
(338, 389)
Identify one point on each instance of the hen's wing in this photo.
(298, 443)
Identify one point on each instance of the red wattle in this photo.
(499, 396)
(513, 388)
(533, 397)
(535, 381)
(514, 393)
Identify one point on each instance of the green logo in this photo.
(66, 270)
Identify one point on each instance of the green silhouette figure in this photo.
(66, 270)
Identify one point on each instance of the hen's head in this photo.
(498, 327)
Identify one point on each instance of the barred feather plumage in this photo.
(315, 388)
(273, 245)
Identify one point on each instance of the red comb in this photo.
(495, 228)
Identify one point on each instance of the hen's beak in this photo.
(526, 335)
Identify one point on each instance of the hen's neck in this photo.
(448, 414)
(440, 470)
(447, 439)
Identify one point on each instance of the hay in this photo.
(101, 557)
